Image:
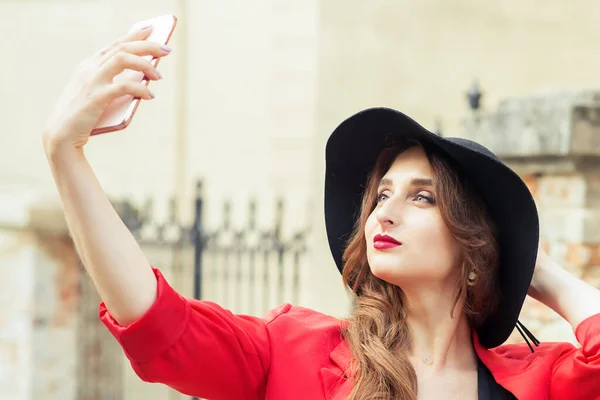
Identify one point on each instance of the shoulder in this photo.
(301, 319)
(546, 350)
(588, 340)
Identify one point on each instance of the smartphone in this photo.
(120, 111)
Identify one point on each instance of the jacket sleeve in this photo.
(576, 374)
(197, 347)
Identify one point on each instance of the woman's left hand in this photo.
(569, 296)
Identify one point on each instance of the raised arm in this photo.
(109, 253)
(569, 296)
(195, 347)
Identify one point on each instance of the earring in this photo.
(472, 278)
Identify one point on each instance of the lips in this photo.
(382, 242)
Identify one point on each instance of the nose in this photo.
(388, 214)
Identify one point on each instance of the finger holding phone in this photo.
(98, 84)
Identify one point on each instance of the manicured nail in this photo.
(166, 48)
(151, 94)
(158, 73)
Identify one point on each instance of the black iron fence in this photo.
(247, 268)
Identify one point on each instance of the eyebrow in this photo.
(413, 182)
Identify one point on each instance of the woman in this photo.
(437, 238)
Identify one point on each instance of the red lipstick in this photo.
(382, 242)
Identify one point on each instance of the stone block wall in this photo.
(552, 142)
(52, 344)
(16, 298)
(38, 314)
(54, 317)
(569, 233)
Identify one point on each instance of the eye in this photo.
(381, 197)
(424, 197)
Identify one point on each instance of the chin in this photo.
(384, 271)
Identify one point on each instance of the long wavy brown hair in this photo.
(378, 334)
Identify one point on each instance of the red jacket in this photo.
(201, 349)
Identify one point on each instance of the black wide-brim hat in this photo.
(351, 154)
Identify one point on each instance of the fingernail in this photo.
(151, 94)
(166, 48)
(158, 73)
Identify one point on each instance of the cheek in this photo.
(428, 226)
(370, 225)
(433, 241)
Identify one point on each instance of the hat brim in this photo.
(351, 154)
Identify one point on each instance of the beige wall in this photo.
(251, 100)
(51, 39)
(423, 56)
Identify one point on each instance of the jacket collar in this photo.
(504, 369)
(336, 384)
(507, 370)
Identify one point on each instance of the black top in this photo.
(487, 387)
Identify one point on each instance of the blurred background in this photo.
(221, 176)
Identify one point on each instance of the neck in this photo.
(439, 339)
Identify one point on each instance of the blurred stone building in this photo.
(249, 96)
